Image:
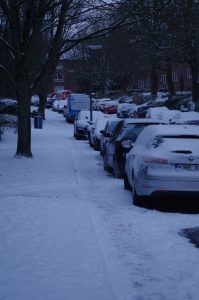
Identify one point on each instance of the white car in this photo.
(55, 105)
(80, 124)
(191, 117)
(62, 105)
(163, 160)
(95, 134)
(156, 112)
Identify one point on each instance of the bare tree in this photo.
(28, 21)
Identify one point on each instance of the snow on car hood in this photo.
(82, 123)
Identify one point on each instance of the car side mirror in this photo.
(127, 145)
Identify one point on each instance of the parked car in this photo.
(62, 105)
(107, 132)
(90, 127)
(98, 102)
(55, 105)
(80, 124)
(49, 102)
(110, 107)
(143, 108)
(191, 118)
(156, 112)
(102, 103)
(95, 133)
(76, 103)
(8, 106)
(114, 152)
(164, 160)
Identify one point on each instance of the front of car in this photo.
(80, 125)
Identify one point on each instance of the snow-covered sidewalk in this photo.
(68, 230)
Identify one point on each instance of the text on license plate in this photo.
(188, 167)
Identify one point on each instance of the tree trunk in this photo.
(195, 84)
(42, 102)
(154, 80)
(24, 123)
(169, 79)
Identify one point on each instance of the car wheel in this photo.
(136, 200)
(106, 166)
(95, 146)
(116, 171)
(89, 140)
(126, 183)
(101, 151)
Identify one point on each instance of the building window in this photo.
(175, 76)
(188, 73)
(59, 77)
(163, 78)
(60, 64)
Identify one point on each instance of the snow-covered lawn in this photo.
(68, 230)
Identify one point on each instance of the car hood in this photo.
(82, 123)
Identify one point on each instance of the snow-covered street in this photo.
(69, 231)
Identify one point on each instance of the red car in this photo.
(110, 107)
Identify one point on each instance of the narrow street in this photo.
(68, 230)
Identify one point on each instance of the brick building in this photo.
(181, 74)
(67, 76)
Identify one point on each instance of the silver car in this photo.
(163, 160)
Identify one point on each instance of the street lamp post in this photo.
(91, 48)
(68, 77)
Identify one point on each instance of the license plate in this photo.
(187, 167)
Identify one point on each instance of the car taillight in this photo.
(155, 160)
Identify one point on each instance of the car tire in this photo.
(95, 146)
(116, 171)
(126, 183)
(89, 140)
(106, 166)
(136, 200)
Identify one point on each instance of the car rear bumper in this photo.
(147, 186)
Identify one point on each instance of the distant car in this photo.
(62, 105)
(164, 160)
(55, 105)
(156, 112)
(49, 102)
(114, 152)
(8, 106)
(143, 108)
(80, 124)
(191, 118)
(110, 107)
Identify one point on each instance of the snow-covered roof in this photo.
(189, 115)
(171, 130)
(140, 121)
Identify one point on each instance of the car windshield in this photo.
(111, 126)
(131, 132)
